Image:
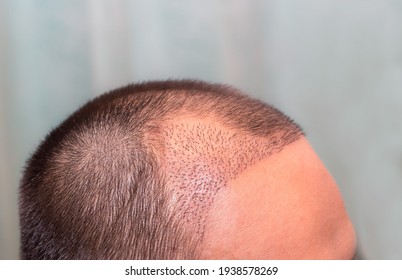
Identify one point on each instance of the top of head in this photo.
(135, 172)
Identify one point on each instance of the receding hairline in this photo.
(204, 108)
(148, 110)
(201, 155)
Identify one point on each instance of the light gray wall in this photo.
(335, 66)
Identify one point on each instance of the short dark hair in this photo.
(133, 173)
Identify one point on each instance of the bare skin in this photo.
(286, 206)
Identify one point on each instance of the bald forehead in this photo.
(284, 207)
(201, 156)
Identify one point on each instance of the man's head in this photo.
(180, 170)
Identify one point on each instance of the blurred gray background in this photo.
(334, 66)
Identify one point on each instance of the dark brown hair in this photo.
(133, 173)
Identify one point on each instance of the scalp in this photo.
(133, 173)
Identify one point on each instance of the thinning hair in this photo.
(133, 173)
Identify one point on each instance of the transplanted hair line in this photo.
(133, 173)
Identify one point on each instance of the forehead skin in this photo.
(286, 206)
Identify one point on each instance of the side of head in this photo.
(147, 171)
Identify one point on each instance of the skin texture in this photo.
(286, 206)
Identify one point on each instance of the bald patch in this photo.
(202, 156)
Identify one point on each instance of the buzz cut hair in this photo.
(133, 173)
